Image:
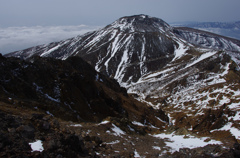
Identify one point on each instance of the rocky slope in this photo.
(42, 98)
(229, 29)
(139, 44)
(192, 75)
(118, 49)
(207, 40)
(70, 110)
(73, 86)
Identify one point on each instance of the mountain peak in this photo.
(140, 23)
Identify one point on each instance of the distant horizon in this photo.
(19, 38)
(174, 22)
(15, 38)
(93, 25)
(95, 12)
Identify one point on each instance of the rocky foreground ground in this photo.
(21, 126)
(73, 111)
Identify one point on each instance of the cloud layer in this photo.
(18, 38)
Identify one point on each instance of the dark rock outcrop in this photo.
(70, 90)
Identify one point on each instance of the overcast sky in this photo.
(60, 13)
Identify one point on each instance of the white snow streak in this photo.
(120, 66)
(118, 131)
(116, 45)
(50, 50)
(76, 125)
(142, 57)
(103, 122)
(114, 142)
(202, 57)
(136, 154)
(137, 123)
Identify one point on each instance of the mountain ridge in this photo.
(225, 25)
(139, 23)
(221, 41)
(67, 84)
(191, 75)
(228, 29)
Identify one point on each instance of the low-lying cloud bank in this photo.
(18, 38)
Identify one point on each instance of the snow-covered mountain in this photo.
(205, 39)
(223, 25)
(140, 43)
(229, 29)
(192, 75)
(113, 49)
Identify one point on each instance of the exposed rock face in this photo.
(192, 76)
(70, 89)
(138, 44)
(41, 97)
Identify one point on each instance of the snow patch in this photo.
(37, 146)
(103, 122)
(137, 123)
(136, 154)
(180, 51)
(114, 142)
(76, 125)
(156, 148)
(228, 127)
(49, 113)
(117, 130)
(175, 142)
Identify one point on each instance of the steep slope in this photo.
(207, 40)
(228, 29)
(73, 86)
(192, 75)
(137, 43)
(46, 99)
(209, 81)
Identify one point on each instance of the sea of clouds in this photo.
(18, 38)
